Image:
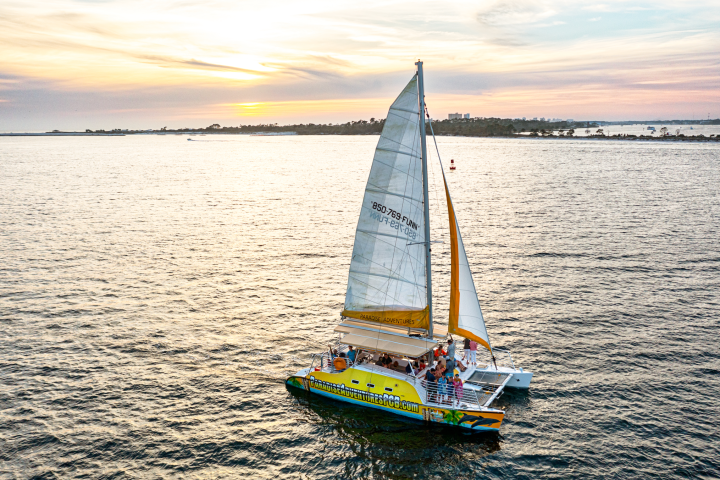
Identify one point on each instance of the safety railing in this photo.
(502, 358)
(448, 395)
(323, 361)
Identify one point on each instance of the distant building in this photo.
(454, 116)
(569, 120)
(467, 115)
(535, 118)
(524, 118)
(542, 119)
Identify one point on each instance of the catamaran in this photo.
(387, 340)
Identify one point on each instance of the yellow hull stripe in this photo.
(370, 389)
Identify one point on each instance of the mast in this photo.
(426, 197)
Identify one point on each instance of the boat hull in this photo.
(403, 400)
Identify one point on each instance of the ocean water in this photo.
(154, 293)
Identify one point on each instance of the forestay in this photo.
(387, 279)
(466, 318)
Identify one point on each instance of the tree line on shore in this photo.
(471, 127)
(468, 127)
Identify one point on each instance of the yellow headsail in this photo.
(466, 318)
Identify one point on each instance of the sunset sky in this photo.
(110, 64)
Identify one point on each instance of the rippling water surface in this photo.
(154, 292)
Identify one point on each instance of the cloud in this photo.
(169, 62)
(181, 57)
(514, 12)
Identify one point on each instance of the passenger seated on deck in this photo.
(409, 370)
(395, 365)
(340, 363)
(387, 361)
(450, 368)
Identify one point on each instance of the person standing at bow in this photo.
(473, 352)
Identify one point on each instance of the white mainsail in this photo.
(387, 281)
(466, 318)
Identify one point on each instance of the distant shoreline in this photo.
(668, 138)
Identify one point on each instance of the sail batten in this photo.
(385, 192)
(397, 109)
(395, 279)
(387, 280)
(410, 154)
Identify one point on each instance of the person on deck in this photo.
(451, 349)
(352, 354)
(387, 361)
(442, 362)
(473, 352)
(451, 366)
(431, 384)
(340, 362)
(466, 346)
(458, 386)
(449, 375)
(409, 370)
(416, 367)
(442, 388)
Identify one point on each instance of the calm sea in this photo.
(154, 293)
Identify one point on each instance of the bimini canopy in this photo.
(377, 341)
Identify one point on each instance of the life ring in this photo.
(340, 363)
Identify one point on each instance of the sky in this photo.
(72, 65)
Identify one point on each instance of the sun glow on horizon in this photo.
(288, 59)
